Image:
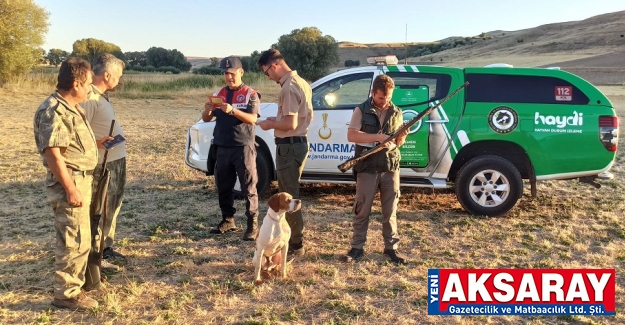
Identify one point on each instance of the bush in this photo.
(352, 63)
(139, 68)
(213, 71)
(182, 83)
(150, 68)
(166, 69)
(252, 78)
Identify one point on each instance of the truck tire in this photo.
(488, 185)
(264, 166)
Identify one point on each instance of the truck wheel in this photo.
(488, 185)
(264, 168)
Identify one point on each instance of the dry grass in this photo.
(177, 273)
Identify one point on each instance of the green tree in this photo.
(179, 61)
(42, 56)
(249, 62)
(157, 57)
(160, 57)
(246, 61)
(23, 25)
(254, 56)
(137, 59)
(309, 52)
(56, 56)
(90, 48)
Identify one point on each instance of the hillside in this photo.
(593, 36)
(593, 48)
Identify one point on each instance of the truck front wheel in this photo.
(488, 185)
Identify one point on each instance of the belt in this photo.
(287, 140)
(80, 172)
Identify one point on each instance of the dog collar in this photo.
(271, 213)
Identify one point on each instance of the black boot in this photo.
(227, 224)
(252, 229)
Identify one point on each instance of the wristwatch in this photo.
(231, 112)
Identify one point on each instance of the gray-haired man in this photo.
(108, 71)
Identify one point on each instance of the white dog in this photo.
(272, 242)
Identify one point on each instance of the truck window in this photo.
(438, 84)
(345, 92)
(495, 88)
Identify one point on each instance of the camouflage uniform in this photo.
(57, 124)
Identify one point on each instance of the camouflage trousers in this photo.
(114, 199)
(73, 236)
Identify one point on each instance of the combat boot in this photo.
(79, 302)
(227, 224)
(252, 229)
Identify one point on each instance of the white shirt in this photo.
(100, 113)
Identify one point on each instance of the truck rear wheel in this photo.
(488, 185)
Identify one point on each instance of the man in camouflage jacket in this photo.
(69, 152)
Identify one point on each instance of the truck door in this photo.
(414, 153)
(333, 103)
(426, 152)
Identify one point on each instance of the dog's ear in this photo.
(274, 202)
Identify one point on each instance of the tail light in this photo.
(608, 132)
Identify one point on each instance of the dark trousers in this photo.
(290, 160)
(232, 162)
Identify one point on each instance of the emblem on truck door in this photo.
(327, 132)
(503, 119)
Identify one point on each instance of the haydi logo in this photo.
(559, 121)
(521, 292)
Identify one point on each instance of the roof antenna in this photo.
(406, 47)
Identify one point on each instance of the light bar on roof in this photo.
(382, 60)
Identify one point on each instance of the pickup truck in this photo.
(507, 125)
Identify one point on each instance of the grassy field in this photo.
(178, 273)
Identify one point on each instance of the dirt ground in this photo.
(178, 273)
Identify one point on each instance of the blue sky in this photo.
(220, 28)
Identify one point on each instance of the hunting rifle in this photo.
(93, 275)
(345, 166)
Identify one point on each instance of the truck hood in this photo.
(265, 106)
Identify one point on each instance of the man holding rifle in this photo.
(374, 121)
(108, 71)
